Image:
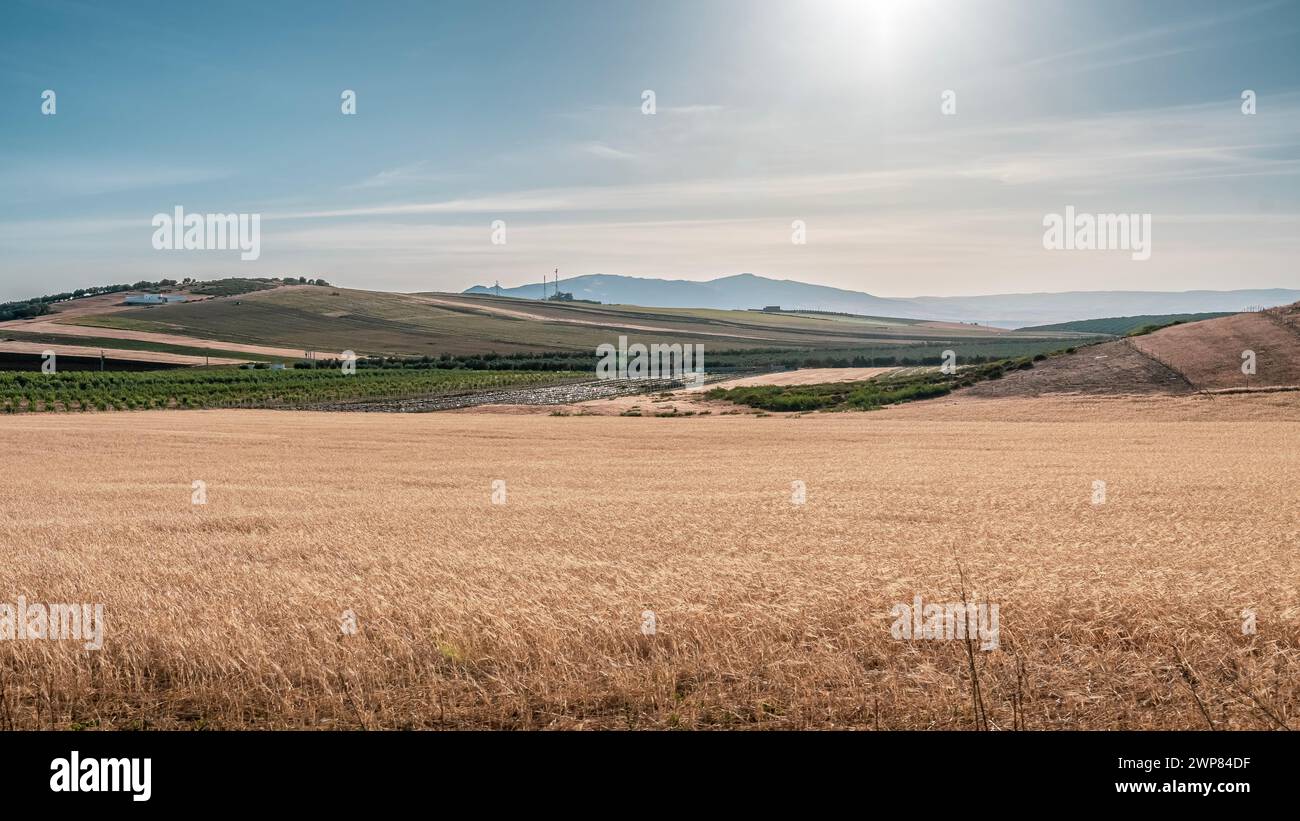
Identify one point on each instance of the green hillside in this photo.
(1122, 325)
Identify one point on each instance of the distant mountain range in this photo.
(999, 310)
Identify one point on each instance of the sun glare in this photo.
(886, 28)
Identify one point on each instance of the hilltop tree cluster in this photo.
(40, 305)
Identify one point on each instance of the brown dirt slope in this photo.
(1208, 353)
(1287, 314)
(1109, 368)
(1197, 356)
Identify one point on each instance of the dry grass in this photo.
(1124, 615)
(1208, 353)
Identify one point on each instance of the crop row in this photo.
(87, 390)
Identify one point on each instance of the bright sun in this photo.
(886, 27)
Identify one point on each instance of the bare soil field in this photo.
(1208, 353)
(1124, 614)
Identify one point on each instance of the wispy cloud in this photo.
(1131, 43)
(416, 172)
(1113, 154)
(693, 109)
(72, 180)
(607, 152)
(779, 118)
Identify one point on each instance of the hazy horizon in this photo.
(564, 278)
(826, 113)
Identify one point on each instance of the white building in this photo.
(154, 299)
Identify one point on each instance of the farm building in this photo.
(154, 299)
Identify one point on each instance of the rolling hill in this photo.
(744, 291)
(1205, 356)
(288, 321)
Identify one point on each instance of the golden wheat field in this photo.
(768, 614)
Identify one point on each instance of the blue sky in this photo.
(766, 113)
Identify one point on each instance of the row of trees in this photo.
(83, 390)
